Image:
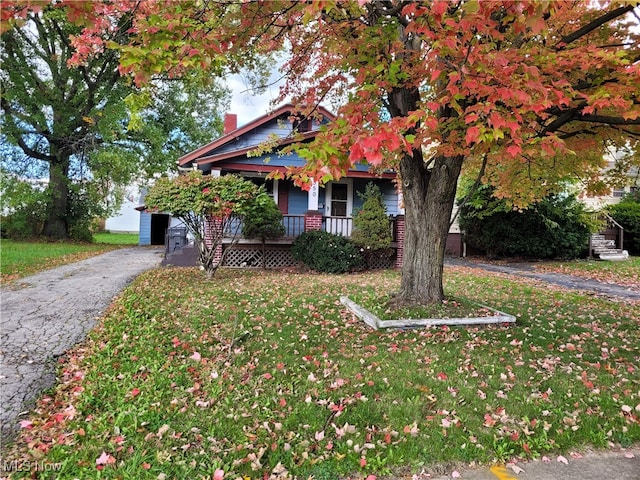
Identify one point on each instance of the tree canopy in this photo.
(525, 93)
(77, 121)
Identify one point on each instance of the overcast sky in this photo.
(245, 103)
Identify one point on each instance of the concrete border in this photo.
(376, 323)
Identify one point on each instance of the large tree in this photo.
(525, 93)
(76, 120)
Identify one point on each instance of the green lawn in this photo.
(262, 372)
(19, 259)
(116, 238)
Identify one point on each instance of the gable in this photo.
(229, 152)
(236, 144)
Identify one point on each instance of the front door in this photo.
(339, 207)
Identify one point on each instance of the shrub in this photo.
(627, 214)
(23, 208)
(556, 227)
(326, 252)
(371, 227)
(263, 221)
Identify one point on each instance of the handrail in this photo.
(612, 220)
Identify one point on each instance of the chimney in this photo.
(230, 122)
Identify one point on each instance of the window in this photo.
(270, 186)
(303, 125)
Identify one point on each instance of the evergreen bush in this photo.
(371, 227)
(556, 227)
(326, 252)
(263, 221)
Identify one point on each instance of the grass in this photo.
(19, 259)
(116, 238)
(452, 307)
(262, 372)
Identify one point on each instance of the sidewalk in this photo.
(44, 315)
(567, 281)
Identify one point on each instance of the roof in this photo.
(201, 154)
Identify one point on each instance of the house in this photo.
(329, 207)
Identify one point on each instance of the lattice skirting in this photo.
(251, 257)
(383, 262)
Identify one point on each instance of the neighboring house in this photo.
(597, 203)
(329, 207)
(127, 218)
(608, 242)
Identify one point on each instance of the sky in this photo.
(246, 104)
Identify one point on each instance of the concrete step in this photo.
(614, 255)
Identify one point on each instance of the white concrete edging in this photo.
(376, 323)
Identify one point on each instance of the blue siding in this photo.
(298, 203)
(255, 137)
(145, 229)
(281, 127)
(387, 188)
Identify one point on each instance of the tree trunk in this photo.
(56, 225)
(429, 191)
(429, 195)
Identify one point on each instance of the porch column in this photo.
(312, 197)
(212, 234)
(399, 240)
(312, 220)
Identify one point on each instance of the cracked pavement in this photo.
(44, 315)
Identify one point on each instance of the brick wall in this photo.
(312, 220)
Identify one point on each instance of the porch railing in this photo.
(294, 226)
(338, 225)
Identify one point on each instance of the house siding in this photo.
(145, 229)
(298, 203)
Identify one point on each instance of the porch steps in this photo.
(605, 249)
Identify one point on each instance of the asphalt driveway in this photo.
(44, 315)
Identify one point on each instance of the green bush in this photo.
(556, 227)
(23, 206)
(371, 227)
(326, 252)
(627, 214)
(264, 219)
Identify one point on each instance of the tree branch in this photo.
(588, 28)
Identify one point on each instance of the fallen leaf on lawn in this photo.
(105, 459)
(196, 356)
(218, 474)
(28, 424)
